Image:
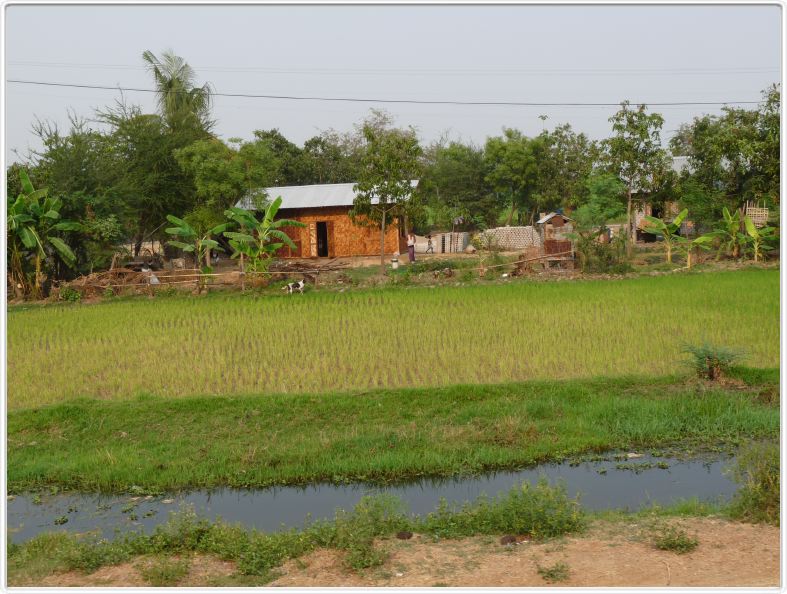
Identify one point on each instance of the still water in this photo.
(604, 484)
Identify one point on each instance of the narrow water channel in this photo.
(604, 484)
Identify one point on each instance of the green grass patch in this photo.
(320, 342)
(675, 539)
(151, 444)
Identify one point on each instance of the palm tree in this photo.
(181, 103)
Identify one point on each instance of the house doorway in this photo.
(322, 239)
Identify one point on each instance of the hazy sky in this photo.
(472, 53)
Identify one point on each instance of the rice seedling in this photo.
(392, 338)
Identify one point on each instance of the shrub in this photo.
(165, 571)
(88, 556)
(355, 532)
(712, 362)
(672, 538)
(558, 572)
(70, 295)
(757, 472)
(541, 511)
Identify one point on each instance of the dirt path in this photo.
(609, 554)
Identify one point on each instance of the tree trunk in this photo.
(138, 242)
(37, 288)
(382, 245)
(630, 226)
(510, 213)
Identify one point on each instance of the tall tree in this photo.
(512, 169)
(565, 162)
(635, 154)
(184, 106)
(223, 174)
(150, 182)
(454, 186)
(391, 159)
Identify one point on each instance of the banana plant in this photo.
(703, 242)
(758, 237)
(195, 243)
(32, 226)
(730, 232)
(259, 240)
(669, 231)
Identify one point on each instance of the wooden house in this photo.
(329, 231)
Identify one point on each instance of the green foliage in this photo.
(89, 555)
(712, 362)
(222, 174)
(512, 170)
(33, 227)
(634, 151)
(734, 156)
(703, 242)
(732, 240)
(384, 189)
(668, 231)
(758, 237)
(677, 540)
(184, 106)
(559, 572)
(197, 239)
(541, 511)
(70, 295)
(604, 202)
(757, 472)
(259, 240)
(164, 571)
(454, 186)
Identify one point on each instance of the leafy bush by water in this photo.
(541, 511)
(757, 472)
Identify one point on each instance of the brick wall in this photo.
(344, 237)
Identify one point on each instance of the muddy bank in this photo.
(611, 553)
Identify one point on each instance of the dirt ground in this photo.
(609, 554)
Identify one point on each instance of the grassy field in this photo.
(158, 443)
(384, 338)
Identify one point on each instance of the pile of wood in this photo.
(97, 283)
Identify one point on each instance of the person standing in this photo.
(429, 244)
(411, 246)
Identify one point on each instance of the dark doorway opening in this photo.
(322, 239)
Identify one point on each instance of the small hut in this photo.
(553, 228)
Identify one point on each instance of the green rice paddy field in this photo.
(385, 338)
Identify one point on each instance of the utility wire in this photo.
(375, 100)
(492, 70)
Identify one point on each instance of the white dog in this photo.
(292, 287)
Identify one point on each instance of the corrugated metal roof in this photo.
(313, 196)
(549, 217)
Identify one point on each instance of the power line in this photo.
(408, 101)
(489, 70)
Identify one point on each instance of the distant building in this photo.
(329, 230)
